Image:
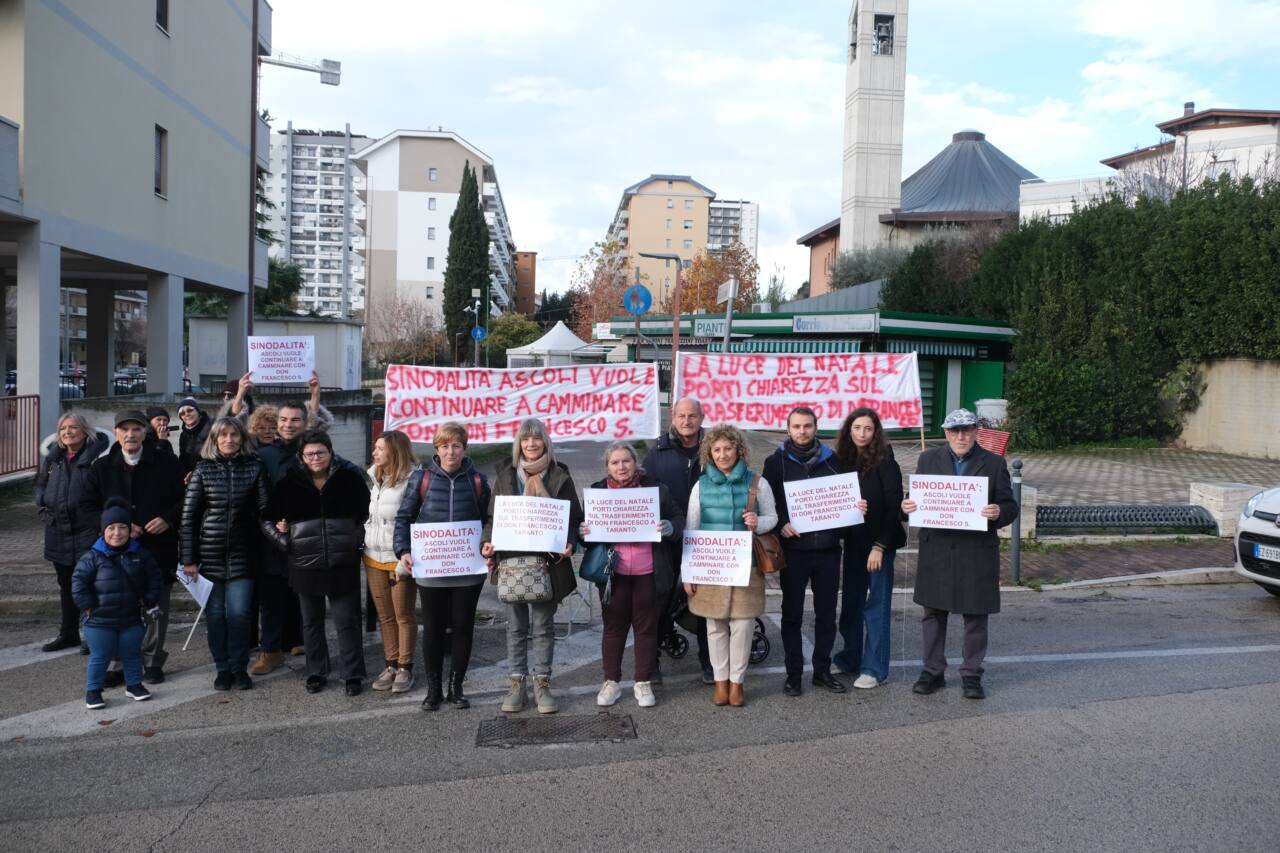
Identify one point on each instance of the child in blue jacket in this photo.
(113, 583)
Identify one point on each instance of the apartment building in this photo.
(126, 163)
(317, 219)
(527, 283)
(409, 182)
(733, 222)
(663, 214)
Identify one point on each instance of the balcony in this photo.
(260, 265)
(264, 28)
(262, 144)
(8, 164)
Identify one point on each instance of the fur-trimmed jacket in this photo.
(69, 529)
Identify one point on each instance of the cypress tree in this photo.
(467, 266)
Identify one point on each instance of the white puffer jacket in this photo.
(379, 530)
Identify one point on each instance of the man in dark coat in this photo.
(674, 463)
(958, 571)
(813, 558)
(151, 482)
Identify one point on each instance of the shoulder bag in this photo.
(766, 547)
(524, 580)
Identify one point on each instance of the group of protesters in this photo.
(256, 502)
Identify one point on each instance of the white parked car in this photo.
(1258, 540)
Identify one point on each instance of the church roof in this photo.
(969, 180)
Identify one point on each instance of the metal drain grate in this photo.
(541, 731)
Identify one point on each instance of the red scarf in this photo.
(633, 483)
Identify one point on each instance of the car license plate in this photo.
(1266, 552)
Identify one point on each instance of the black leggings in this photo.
(448, 607)
(69, 629)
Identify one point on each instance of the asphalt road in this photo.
(1128, 719)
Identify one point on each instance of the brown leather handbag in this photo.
(765, 547)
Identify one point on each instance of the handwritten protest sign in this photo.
(621, 515)
(950, 502)
(757, 391)
(716, 557)
(446, 549)
(577, 403)
(823, 503)
(282, 359)
(530, 524)
(199, 587)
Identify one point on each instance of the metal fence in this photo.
(19, 434)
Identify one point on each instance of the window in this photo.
(431, 263)
(432, 174)
(670, 203)
(162, 15)
(670, 184)
(688, 204)
(162, 161)
(431, 202)
(431, 293)
(668, 242)
(688, 225)
(431, 232)
(666, 262)
(668, 223)
(882, 38)
(688, 244)
(686, 264)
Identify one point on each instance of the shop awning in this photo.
(953, 348)
(783, 345)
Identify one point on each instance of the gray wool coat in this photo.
(959, 570)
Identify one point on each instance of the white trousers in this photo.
(729, 644)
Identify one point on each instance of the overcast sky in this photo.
(576, 100)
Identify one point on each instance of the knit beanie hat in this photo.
(188, 401)
(158, 412)
(116, 512)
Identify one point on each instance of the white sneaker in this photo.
(866, 682)
(609, 694)
(644, 695)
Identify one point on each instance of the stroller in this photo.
(676, 645)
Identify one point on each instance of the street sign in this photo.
(479, 333)
(637, 300)
(728, 291)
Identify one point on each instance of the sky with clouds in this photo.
(577, 99)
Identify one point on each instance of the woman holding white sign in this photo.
(719, 501)
(869, 549)
(643, 576)
(395, 602)
(447, 489)
(534, 472)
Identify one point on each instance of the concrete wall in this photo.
(1237, 410)
(338, 346)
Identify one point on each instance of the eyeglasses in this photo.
(315, 454)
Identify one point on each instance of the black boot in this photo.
(455, 690)
(434, 696)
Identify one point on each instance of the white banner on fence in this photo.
(621, 515)
(446, 549)
(614, 402)
(282, 359)
(530, 524)
(823, 503)
(757, 391)
(948, 502)
(716, 557)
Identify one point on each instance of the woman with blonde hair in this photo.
(720, 501)
(262, 425)
(393, 599)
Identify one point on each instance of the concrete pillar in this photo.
(100, 366)
(164, 334)
(237, 335)
(39, 284)
(4, 323)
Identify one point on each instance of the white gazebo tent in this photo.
(558, 346)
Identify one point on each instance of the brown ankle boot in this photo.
(721, 694)
(737, 698)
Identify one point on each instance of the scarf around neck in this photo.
(632, 482)
(533, 471)
(806, 456)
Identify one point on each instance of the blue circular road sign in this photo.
(637, 300)
(479, 333)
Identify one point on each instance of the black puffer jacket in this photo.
(115, 586)
(326, 528)
(69, 529)
(222, 517)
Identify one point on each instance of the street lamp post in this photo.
(675, 307)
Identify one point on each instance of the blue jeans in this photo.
(107, 644)
(229, 618)
(868, 599)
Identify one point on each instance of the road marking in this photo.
(16, 656)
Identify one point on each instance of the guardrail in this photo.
(19, 434)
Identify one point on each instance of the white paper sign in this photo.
(446, 549)
(716, 557)
(621, 515)
(948, 502)
(199, 587)
(282, 359)
(530, 524)
(823, 503)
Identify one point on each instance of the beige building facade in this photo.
(125, 164)
(665, 215)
